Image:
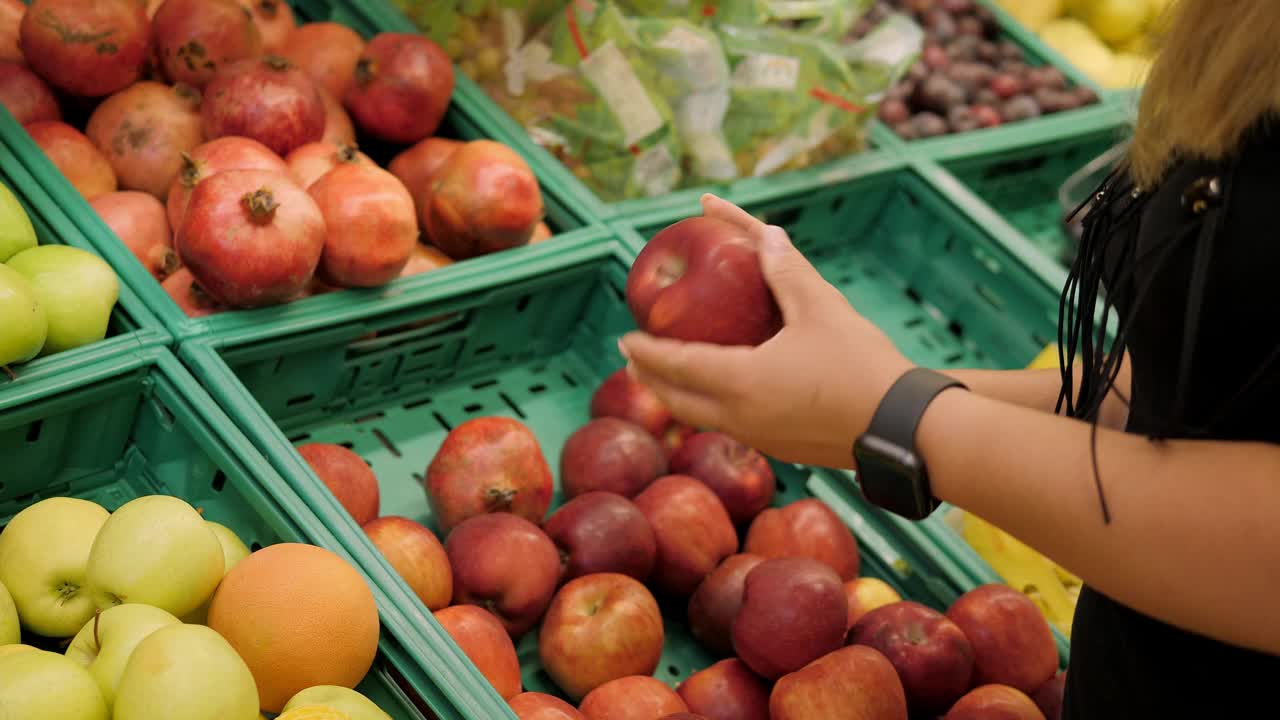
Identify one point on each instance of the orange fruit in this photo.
(300, 616)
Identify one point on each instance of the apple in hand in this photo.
(104, 644)
(24, 326)
(994, 702)
(417, 555)
(155, 550)
(540, 706)
(793, 612)
(45, 685)
(700, 280)
(602, 532)
(487, 465)
(1048, 697)
(933, 657)
(684, 716)
(44, 556)
(727, 690)
(486, 643)
(693, 531)
(866, 594)
(1012, 643)
(620, 396)
(599, 628)
(611, 455)
(854, 682)
(635, 697)
(10, 628)
(347, 476)
(805, 528)
(233, 551)
(76, 289)
(336, 697)
(716, 602)
(189, 672)
(739, 475)
(506, 565)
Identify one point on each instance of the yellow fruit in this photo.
(1047, 359)
(313, 712)
(1117, 21)
(1032, 14)
(1077, 43)
(1127, 71)
(1138, 45)
(1022, 568)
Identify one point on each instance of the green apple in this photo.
(336, 697)
(77, 290)
(155, 550)
(188, 672)
(24, 326)
(44, 554)
(233, 551)
(104, 644)
(48, 686)
(6, 650)
(16, 232)
(10, 628)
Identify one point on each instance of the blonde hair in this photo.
(1217, 74)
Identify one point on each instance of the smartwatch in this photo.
(891, 473)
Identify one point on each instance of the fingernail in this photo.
(775, 241)
(631, 372)
(623, 349)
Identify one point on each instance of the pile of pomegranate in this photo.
(218, 141)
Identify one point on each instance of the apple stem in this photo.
(269, 7)
(9, 372)
(190, 173)
(200, 511)
(347, 153)
(97, 615)
(365, 70)
(277, 62)
(261, 204)
(500, 499)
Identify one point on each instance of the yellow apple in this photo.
(104, 644)
(10, 628)
(188, 672)
(866, 594)
(355, 705)
(27, 679)
(233, 551)
(313, 712)
(6, 650)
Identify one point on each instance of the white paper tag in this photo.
(702, 65)
(530, 64)
(894, 41)
(700, 118)
(655, 171)
(766, 71)
(612, 77)
(820, 128)
(547, 138)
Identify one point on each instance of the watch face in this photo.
(890, 477)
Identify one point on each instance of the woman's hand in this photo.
(804, 395)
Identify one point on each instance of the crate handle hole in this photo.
(303, 437)
(219, 481)
(782, 487)
(514, 408)
(486, 349)
(373, 416)
(956, 329)
(300, 399)
(837, 203)
(473, 408)
(953, 358)
(483, 384)
(539, 388)
(447, 427)
(428, 349)
(569, 379)
(417, 403)
(347, 444)
(386, 442)
(990, 296)
(783, 218)
(255, 546)
(673, 670)
(915, 296)
(523, 303)
(33, 431)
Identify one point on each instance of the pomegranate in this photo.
(401, 87)
(267, 100)
(211, 158)
(25, 95)
(144, 130)
(11, 12)
(274, 19)
(195, 38)
(327, 52)
(89, 49)
(372, 228)
(483, 199)
(424, 258)
(338, 127)
(252, 238)
(139, 220)
(152, 7)
(311, 161)
(418, 165)
(190, 297)
(75, 157)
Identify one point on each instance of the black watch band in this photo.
(891, 473)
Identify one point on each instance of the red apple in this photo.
(417, 555)
(727, 690)
(700, 280)
(620, 396)
(488, 464)
(599, 628)
(347, 476)
(540, 706)
(489, 647)
(716, 602)
(602, 532)
(853, 683)
(994, 702)
(805, 528)
(866, 594)
(1048, 697)
(506, 565)
(738, 474)
(638, 697)
(676, 435)
(693, 531)
(612, 455)
(683, 716)
(933, 657)
(793, 612)
(1012, 643)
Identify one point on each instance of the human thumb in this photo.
(792, 278)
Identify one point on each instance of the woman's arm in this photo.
(1038, 390)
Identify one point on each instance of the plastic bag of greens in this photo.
(579, 91)
(884, 55)
(794, 100)
(829, 19)
(479, 35)
(741, 12)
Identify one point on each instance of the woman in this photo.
(1152, 469)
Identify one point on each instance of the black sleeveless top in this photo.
(1194, 265)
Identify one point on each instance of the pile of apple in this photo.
(220, 146)
(52, 297)
(153, 612)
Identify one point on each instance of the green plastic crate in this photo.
(137, 423)
(533, 348)
(132, 326)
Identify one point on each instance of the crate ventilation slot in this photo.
(386, 442)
